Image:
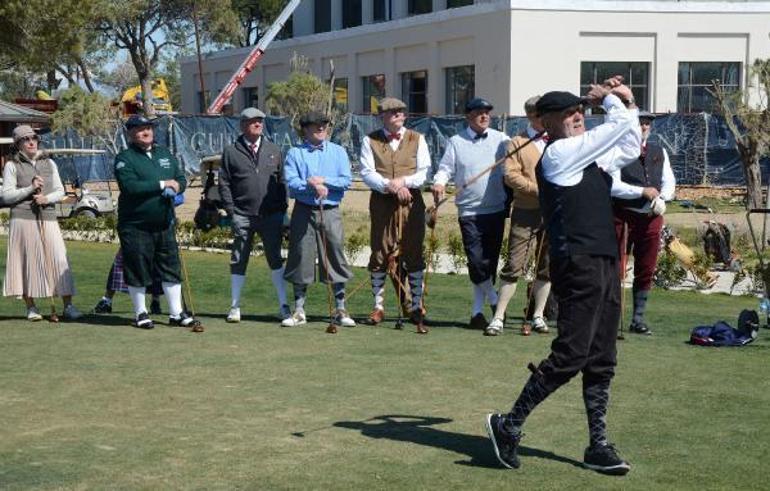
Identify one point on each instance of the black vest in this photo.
(579, 218)
(647, 171)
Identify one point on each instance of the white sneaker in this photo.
(495, 328)
(71, 313)
(341, 318)
(284, 312)
(539, 325)
(234, 315)
(33, 314)
(297, 319)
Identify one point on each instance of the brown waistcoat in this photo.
(399, 163)
(25, 171)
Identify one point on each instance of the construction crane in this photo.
(248, 64)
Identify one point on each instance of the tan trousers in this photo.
(384, 210)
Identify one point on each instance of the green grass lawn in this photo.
(101, 405)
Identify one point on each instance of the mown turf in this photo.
(101, 405)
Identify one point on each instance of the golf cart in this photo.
(84, 202)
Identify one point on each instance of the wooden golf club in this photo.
(526, 325)
(332, 327)
(623, 260)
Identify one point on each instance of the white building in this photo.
(435, 54)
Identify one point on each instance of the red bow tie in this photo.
(394, 136)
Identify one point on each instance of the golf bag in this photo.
(207, 216)
(716, 242)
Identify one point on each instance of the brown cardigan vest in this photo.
(399, 163)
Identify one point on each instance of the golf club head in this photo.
(197, 328)
(332, 329)
(431, 217)
(53, 318)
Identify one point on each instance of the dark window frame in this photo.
(640, 89)
(322, 23)
(416, 97)
(686, 88)
(456, 97)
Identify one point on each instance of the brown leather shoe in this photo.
(526, 329)
(478, 321)
(417, 317)
(375, 317)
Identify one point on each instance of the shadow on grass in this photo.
(418, 429)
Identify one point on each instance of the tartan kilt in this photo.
(116, 280)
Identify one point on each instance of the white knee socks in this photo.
(236, 285)
(137, 298)
(173, 292)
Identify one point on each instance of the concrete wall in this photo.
(519, 48)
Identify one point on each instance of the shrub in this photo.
(456, 251)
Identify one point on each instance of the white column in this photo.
(354, 84)
(336, 6)
(392, 82)
(367, 12)
(439, 5)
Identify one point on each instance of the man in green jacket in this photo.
(149, 177)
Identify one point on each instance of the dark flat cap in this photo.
(478, 103)
(391, 104)
(313, 117)
(137, 120)
(646, 115)
(556, 101)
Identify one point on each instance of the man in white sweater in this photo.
(482, 205)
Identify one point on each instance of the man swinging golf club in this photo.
(394, 164)
(577, 210)
(149, 177)
(317, 173)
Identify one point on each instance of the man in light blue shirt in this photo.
(317, 173)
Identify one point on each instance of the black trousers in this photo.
(482, 239)
(588, 289)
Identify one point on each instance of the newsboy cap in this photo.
(137, 121)
(391, 104)
(478, 103)
(313, 117)
(22, 131)
(251, 113)
(556, 101)
(530, 105)
(646, 115)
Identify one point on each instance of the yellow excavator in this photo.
(131, 102)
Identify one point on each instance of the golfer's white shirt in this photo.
(612, 145)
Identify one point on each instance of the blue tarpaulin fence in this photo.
(700, 146)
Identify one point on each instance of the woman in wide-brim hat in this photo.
(36, 265)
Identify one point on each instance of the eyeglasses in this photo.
(29, 139)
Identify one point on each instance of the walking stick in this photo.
(623, 260)
(332, 328)
(430, 210)
(46, 266)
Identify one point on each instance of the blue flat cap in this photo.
(478, 103)
(556, 101)
(136, 120)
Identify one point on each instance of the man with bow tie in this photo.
(317, 173)
(525, 238)
(394, 164)
(640, 191)
(482, 205)
(253, 192)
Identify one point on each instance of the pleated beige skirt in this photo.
(32, 270)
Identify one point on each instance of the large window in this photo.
(323, 15)
(414, 90)
(373, 90)
(287, 32)
(351, 13)
(250, 97)
(380, 10)
(460, 88)
(203, 102)
(636, 74)
(417, 7)
(696, 77)
(450, 4)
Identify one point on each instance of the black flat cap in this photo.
(313, 117)
(556, 101)
(478, 103)
(646, 115)
(138, 120)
